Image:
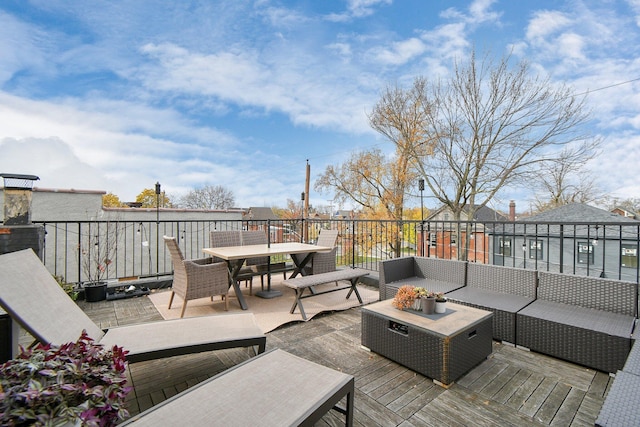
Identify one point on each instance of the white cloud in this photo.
(300, 85)
(544, 24)
(19, 44)
(106, 145)
(357, 9)
(401, 52)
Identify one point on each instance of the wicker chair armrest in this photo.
(193, 266)
(202, 261)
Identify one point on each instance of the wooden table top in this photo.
(254, 251)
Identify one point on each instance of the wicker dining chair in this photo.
(322, 262)
(224, 238)
(197, 278)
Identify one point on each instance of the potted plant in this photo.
(405, 297)
(429, 303)
(441, 303)
(78, 383)
(97, 249)
(421, 295)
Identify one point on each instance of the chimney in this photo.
(512, 210)
(17, 232)
(17, 198)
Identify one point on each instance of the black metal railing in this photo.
(81, 250)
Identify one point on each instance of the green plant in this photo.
(440, 296)
(69, 288)
(405, 297)
(79, 382)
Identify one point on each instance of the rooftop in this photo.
(512, 387)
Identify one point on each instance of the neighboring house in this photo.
(625, 213)
(574, 238)
(444, 235)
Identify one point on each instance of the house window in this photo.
(535, 249)
(504, 246)
(433, 239)
(585, 253)
(629, 255)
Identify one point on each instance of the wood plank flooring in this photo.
(512, 387)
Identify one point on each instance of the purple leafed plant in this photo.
(75, 382)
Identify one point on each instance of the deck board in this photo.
(512, 386)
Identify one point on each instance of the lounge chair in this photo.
(30, 294)
(196, 278)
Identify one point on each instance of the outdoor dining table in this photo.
(235, 256)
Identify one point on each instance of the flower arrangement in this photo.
(422, 292)
(440, 297)
(80, 383)
(405, 297)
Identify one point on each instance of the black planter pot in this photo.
(94, 292)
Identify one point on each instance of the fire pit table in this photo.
(440, 346)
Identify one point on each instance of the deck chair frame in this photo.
(32, 297)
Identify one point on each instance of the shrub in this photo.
(53, 385)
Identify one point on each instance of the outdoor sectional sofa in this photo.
(502, 290)
(434, 274)
(586, 320)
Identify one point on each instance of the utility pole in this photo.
(306, 200)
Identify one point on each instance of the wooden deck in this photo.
(512, 387)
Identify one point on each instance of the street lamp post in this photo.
(421, 188)
(303, 229)
(157, 229)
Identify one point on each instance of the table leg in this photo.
(234, 270)
(269, 293)
(354, 289)
(300, 264)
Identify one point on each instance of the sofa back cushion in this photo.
(507, 280)
(392, 270)
(444, 270)
(590, 292)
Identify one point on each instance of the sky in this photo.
(118, 95)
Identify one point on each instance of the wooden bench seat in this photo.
(300, 284)
(273, 389)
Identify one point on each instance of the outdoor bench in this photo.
(433, 274)
(502, 290)
(300, 284)
(585, 320)
(275, 388)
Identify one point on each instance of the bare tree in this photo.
(208, 197)
(374, 181)
(565, 180)
(494, 127)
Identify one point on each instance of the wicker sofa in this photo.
(434, 274)
(502, 290)
(620, 407)
(582, 319)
